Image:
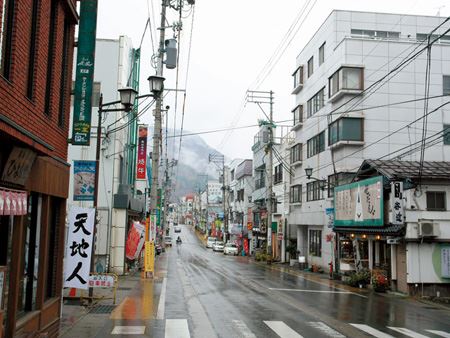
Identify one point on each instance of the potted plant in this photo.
(380, 283)
(359, 279)
(292, 250)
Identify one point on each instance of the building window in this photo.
(296, 153)
(314, 191)
(338, 179)
(436, 201)
(316, 102)
(321, 54)
(260, 181)
(32, 53)
(6, 32)
(295, 194)
(346, 78)
(64, 74)
(447, 134)
(315, 243)
(310, 66)
(51, 55)
(316, 144)
(346, 129)
(433, 37)
(232, 175)
(375, 34)
(278, 176)
(298, 114)
(298, 77)
(446, 85)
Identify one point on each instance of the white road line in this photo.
(281, 329)
(319, 291)
(372, 331)
(128, 330)
(243, 329)
(326, 329)
(439, 333)
(407, 332)
(177, 328)
(162, 300)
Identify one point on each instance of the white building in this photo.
(343, 114)
(118, 204)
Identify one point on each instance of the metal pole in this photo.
(225, 226)
(270, 178)
(97, 171)
(157, 126)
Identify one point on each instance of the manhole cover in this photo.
(102, 309)
(124, 288)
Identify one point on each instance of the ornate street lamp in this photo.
(127, 97)
(308, 172)
(156, 84)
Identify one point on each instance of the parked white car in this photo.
(210, 241)
(230, 249)
(218, 246)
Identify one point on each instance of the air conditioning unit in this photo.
(428, 229)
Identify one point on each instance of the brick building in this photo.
(36, 44)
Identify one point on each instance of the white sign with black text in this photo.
(79, 247)
(397, 210)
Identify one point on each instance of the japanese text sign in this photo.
(101, 281)
(79, 247)
(397, 209)
(142, 153)
(359, 203)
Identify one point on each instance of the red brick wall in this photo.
(14, 103)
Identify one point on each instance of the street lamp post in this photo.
(127, 97)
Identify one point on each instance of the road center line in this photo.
(318, 291)
(281, 329)
(162, 300)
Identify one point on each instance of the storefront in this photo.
(33, 192)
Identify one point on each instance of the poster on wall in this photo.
(142, 153)
(83, 180)
(79, 247)
(19, 164)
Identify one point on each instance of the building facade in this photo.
(116, 66)
(359, 94)
(36, 51)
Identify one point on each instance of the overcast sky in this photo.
(231, 43)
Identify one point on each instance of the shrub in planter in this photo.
(360, 278)
(380, 283)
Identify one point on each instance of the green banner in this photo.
(84, 76)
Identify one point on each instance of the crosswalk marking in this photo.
(372, 331)
(407, 332)
(282, 330)
(128, 330)
(439, 333)
(243, 329)
(177, 328)
(326, 329)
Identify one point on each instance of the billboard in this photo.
(359, 203)
(83, 180)
(142, 153)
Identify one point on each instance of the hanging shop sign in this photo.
(79, 247)
(329, 217)
(249, 226)
(397, 209)
(84, 76)
(83, 180)
(13, 202)
(359, 203)
(135, 240)
(142, 153)
(18, 167)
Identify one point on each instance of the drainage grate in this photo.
(102, 309)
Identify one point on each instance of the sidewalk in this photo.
(136, 299)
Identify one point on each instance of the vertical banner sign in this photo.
(84, 76)
(79, 247)
(149, 257)
(84, 180)
(142, 153)
(397, 203)
(135, 240)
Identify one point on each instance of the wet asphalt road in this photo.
(211, 295)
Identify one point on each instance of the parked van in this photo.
(210, 241)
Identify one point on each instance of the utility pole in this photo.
(157, 127)
(264, 97)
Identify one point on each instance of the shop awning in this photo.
(387, 230)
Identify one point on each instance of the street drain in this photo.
(102, 309)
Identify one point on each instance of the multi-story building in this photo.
(36, 51)
(116, 66)
(357, 99)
